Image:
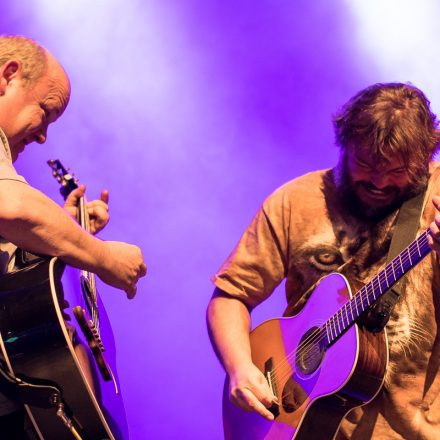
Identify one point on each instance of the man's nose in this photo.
(41, 136)
(379, 180)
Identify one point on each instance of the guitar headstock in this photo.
(67, 181)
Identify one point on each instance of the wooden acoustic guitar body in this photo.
(315, 389)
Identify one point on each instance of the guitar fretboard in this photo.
(346, 316)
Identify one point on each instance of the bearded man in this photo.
(342, 220)
(34, 92)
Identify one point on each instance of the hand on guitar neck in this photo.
(118, 264)
(97, 209)
(130, 263)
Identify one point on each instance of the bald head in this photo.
(34, 92)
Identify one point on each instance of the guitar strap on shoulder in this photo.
(405, 231)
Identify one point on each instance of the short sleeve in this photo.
(259, 261)
(7, 170)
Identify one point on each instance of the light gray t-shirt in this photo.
(7, 249)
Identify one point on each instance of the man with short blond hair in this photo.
(31, 55)
(34, 92)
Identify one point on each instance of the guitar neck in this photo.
(84, 221)
(83, 216)
(88, 282)
(361, 301)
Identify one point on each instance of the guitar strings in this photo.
(378, 280)
(310, 342)
(85, 223)
(319, 335)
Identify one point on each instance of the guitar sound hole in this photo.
(310, 351)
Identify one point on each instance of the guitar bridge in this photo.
(91, 333)
(96, 335)
(268, 366)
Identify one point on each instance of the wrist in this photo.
(236, 367)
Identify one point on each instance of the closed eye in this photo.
(364, 165)
(46, 111)
(398, 171)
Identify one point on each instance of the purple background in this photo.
(191, 113)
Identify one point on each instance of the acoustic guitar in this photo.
(320, 363)
(58, 337)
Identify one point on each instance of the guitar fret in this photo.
(394, 273)
(401, 265)
(367, 296)
(380, 287)
(344, 321)
(346, 313)
(333, 327)
(357, 310)
(386, 278)
(329, 329)
(337, 322)
(361, 302)
(351, 309)
(409, 256)
(326, 332)
(373, 290)
(342, 324)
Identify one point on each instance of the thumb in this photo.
(72, 198)
(104, 196)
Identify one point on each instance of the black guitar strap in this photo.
(407, 225)
(29, 391)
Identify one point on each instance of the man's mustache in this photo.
(388, 190)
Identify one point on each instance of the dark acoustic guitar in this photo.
(50, 336)
(320, 363)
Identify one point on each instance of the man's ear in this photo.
(8, 71)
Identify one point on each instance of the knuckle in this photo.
(238, 392)
(253, 406)
(265, 400)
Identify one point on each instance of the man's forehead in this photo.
(55, 71)
(53, 87)
(376, 158)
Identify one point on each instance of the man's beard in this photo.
(351, 201)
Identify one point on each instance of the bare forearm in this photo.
(37, 224)
(229, 324)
